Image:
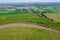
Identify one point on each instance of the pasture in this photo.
(21, 33)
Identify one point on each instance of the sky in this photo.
(19, 1)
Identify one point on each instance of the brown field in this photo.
(55, 17)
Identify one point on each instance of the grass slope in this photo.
(28, 17)
(20, 33)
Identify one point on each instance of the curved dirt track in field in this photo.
(27, 25)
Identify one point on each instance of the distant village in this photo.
(22, 9)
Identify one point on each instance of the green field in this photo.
(20, 33)
(28, 17)
(49, 10)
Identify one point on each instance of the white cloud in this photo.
(11, 1)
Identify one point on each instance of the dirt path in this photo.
(26, 25)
